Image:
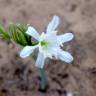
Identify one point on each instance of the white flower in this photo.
(49, 44)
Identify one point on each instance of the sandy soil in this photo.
(20, 77)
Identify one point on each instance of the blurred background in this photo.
(19, 77)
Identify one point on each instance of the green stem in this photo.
(43, 82)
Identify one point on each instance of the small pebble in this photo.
(69, 94)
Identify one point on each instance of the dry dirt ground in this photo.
(20, 77)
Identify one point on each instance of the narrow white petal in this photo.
(40, 60)
(65, 37)
(65, 56)
(32, 32)
(27, 50)
(53, 24)
(42, 37)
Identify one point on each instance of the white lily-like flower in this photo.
(49, 44)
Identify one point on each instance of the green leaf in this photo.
(4, 34)
(23, 28)
(17, 33)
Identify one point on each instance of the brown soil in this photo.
(19, 77)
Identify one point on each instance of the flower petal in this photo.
(40, 60)
(27, 50)
(65, 37)
(32, 32)
(65, 56)
(53, 24)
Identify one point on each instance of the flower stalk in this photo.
(42, 74)
(43, 79)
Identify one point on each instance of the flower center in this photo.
(44, 43)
